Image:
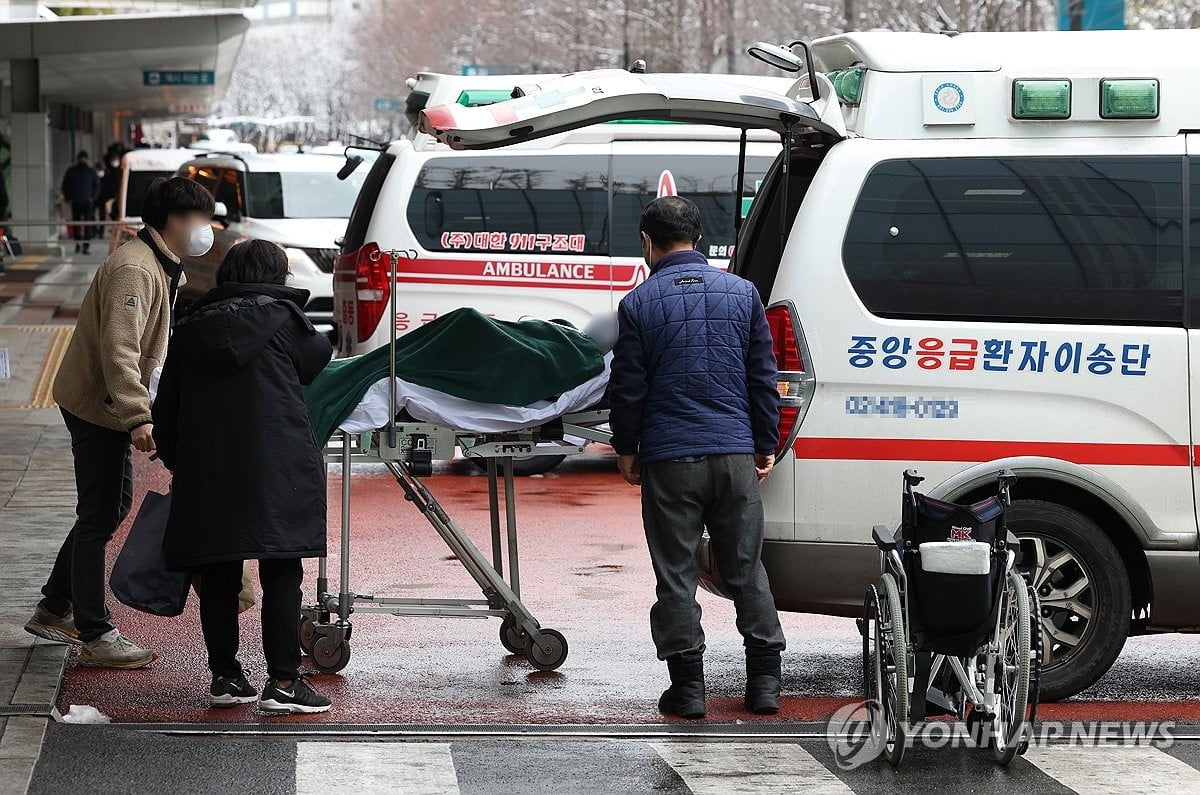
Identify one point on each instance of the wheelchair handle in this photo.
(1007, 479)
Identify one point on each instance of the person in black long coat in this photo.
(249, 481)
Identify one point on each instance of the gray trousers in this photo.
(680, 498)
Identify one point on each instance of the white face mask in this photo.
(200, 241)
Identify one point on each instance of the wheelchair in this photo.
(950, 627)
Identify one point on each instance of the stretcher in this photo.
(408, 448)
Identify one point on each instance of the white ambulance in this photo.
(546, 229)
(982, 252)
(139, 168)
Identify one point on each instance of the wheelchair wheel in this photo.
(1012, 671)
(887, 671)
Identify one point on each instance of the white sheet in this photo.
(956, 557)
(431, 405)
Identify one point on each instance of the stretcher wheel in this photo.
(512, 637)
(1012, 671)
(329, 656)
(308, 635)
(543, 659)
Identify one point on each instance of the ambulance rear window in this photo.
(513, 205)
(1091, 240)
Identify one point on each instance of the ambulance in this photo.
(977, 253)
(139, 168)
(546, 229)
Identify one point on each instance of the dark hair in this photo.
(671, 220)
(83, 155)
(254, 262)
(174, 195)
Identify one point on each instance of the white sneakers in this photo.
(114, 650)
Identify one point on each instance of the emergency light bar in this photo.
(1041, 99)
(474, 98)
(1129, 99)
(848, 83)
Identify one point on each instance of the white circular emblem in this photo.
(948, 97)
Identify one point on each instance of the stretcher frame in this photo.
(407, 450)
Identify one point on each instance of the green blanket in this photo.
(466, 354)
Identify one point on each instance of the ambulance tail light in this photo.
(797, 381)
(371, 276)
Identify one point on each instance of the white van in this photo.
(296, 201)
(547, 229)
(139, 168)
(983, 254)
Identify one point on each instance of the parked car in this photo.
(296, 201)
(139, 168)
(976, 255)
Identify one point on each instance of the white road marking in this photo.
(1123, 769)
(361, 768)
(760, 768)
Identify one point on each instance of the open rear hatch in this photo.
(585, 98)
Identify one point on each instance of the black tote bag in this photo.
(140, 578)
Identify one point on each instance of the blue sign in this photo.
(1091, 14)
(385, 105)
(178, 77)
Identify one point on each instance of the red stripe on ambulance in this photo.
(966, 450)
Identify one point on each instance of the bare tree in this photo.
(335, 71)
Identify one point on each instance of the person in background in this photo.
(81, 188)
(102, 390)
(694, 410)
(110, 183)
(239, 359)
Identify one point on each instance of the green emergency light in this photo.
(473, 98)
(848, 84)
(1041, 99)
(1129, 99)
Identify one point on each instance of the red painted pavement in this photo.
(585, 572)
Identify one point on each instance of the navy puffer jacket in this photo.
(693, 371)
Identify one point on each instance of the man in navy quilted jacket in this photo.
(695, 421)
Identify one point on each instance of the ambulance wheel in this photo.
(524, 466)
(1010, 722)
(308, 634)
(1083, 586)
(886, 672)
(552, 655)
(512, 637)
(329, 656)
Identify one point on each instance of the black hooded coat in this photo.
(231, 424)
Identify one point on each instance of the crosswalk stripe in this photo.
(1114, 769)
(360, 768)
(727, 768)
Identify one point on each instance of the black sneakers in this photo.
(296, 698)
(230, 691)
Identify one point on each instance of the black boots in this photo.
(685, 696)
(763, 674)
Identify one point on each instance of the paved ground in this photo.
(484, 715)
(35, 493)
(664, 764)
(585, 572)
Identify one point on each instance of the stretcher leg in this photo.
(547, 648)
(494, 513)
(510, 524)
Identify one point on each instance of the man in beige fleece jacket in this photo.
(102, 390)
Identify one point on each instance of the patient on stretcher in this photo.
(467, 371)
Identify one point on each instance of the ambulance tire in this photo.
(1047, 530)
(528, 465)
